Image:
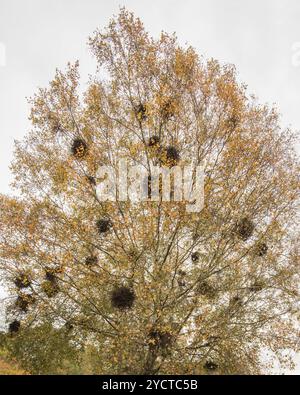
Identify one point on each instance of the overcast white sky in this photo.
(40, 35)
(36, 36)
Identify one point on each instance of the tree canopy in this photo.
(152, 287)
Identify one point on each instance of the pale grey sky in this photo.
(36, 36)
(40, 35)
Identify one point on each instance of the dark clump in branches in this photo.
(141, 112)
(22, 304)
(154, 141)
(79, 148)
(91, 260)
(233, 122)
(24, 301)
(160, 339)
(206, 289)
(173, 156)
(103, 225)
(170, 157)
(261, 249)
(257, 286)
(14, 326)
(50, 274)
(122, 298)
(68, 326)
(50, 288)
(22, 281)
(244, 228)
(210, 366)
(91, 180)
(195, 257)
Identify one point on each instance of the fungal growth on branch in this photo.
(141, 112)
(154, 141)
(22, 280)
(91, 260)
(261, 249)
(104, 225)
(122, 298)
(14, 326)
(23, 302)
(245, 228)
(50, 288)
(195, 257)
(79, 148)
(170, 156)
(210, 366)
(160, 339)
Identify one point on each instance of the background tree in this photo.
(43, 349)
(150, 287)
